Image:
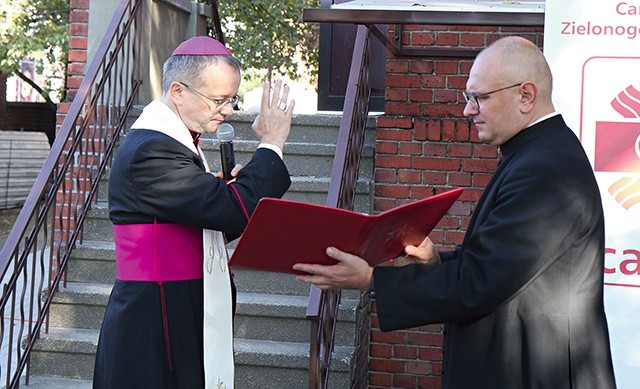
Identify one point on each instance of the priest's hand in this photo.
(234, 172)
(424, 253)
(273, 124)
(351, 272)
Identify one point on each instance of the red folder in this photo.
(282, 232)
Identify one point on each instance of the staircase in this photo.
(271, 331)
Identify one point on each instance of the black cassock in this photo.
(523, 295)
(156, 177)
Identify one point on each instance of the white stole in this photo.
(218, 327)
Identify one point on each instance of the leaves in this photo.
(36, 30)
(271, 35)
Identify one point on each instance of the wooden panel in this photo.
(21, 157)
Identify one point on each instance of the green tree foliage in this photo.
(271, 35)
(36, 30)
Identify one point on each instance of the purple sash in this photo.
(158, 252)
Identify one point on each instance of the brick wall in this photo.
(77, 61)
(425, 146)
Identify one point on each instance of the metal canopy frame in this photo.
(374, 17)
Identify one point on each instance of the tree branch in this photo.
(35, 86)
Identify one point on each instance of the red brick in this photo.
(393, 191)
(446, 39)
(405, 352)
(485, 151)
(420, 130)
(380, 380)
(418, 367)
(421, 66)
(79, 4)
(435, 150)
(434, 81)
(402, 381)
(459, 83)
(381, 351)
(421, 191)
(430, 353)
(459, 179)
(386, 365)
(393, 161)
(396, 95)
(480, 166)
(410, 148)
(386, 148)
(78, 16)
(397, 66)
(78, 43)
(409, 177)
(472, 40)
(441, 110)
(421, 95)
(445, 96)
(481, 180)
(402, 109)
(393, 134)
(448, 130)
(423, 39)
(434, 129)
(395, 122)
(455, 237)
(425, 339)
(386, 175)
(77, 56)
(447, 67)
(403, 81)
(434, 178)
(429, 382)
(439, 164)
(461, 150)
(79, 29)
(381, 205)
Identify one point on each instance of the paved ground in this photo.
(7, 218)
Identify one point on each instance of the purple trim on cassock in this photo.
(158, 252)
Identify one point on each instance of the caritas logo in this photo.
(617, 147)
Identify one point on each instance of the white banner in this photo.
(593, 48)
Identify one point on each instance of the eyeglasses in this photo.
(219, 103)
(473, 97)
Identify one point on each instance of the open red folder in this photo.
(283, 232)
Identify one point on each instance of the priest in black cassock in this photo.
(522, 296)
(168, 323)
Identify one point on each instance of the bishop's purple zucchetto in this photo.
(201, 45)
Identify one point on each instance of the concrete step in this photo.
(271, 330)
(302, 159)
(81, 305)
(97, 225)
(64, 354)
(93, 262)
(266, 364)
(317, 128)
(39, 382)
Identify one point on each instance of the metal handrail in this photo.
(34, 257)
(323, 305)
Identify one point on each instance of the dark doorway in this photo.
(336, 47)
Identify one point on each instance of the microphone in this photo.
(225, 137)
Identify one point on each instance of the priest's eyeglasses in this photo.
(219, 103)
(472, 98)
